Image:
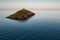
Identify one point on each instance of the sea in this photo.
(44, 25)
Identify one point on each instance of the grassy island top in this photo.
(22, 12)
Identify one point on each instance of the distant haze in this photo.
(30, 4)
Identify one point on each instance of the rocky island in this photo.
(21, 15)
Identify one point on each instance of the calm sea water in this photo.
(45, 25)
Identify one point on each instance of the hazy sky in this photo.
(35, 4)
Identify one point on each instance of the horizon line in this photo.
(31, 9)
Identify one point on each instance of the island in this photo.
(21, 15)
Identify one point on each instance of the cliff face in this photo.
(21, 15)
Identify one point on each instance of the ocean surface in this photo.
(45, 25)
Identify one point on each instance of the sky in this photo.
(32, 4)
